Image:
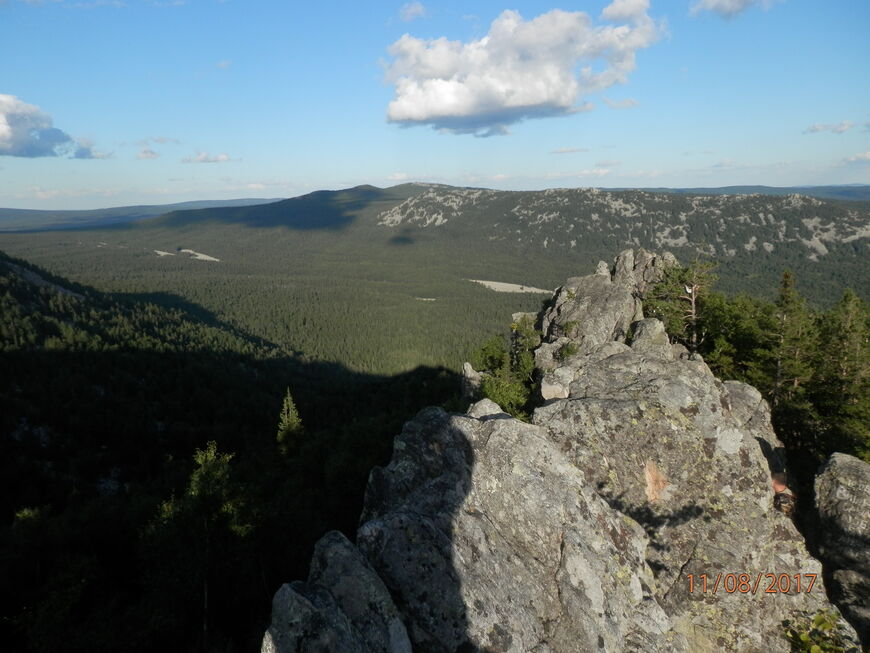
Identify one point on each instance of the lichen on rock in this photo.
(602, 525)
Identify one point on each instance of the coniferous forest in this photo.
(180, 431)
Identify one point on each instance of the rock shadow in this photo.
(651, 520)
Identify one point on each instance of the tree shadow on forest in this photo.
(99, 439)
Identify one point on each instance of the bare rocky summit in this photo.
(634, 513)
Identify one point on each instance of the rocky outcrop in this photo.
(634, 513)
(843, 505)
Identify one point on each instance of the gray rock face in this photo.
(344, 606)
(620, 519)
(843, 504)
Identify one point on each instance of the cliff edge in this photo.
(634, 513)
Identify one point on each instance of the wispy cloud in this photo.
(147, 153)
(861, 157)
(223, 65)
(160, 140)
(728, 8)
(399, 176)
(627, 103)
(412, 10)
(205, 157)
(26, 131)
(836, 128)
(608, 163)
(520, 70)
(568, 150)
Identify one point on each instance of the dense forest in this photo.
(149, 499)
(170, 458)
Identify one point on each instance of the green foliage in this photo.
(566, 351)
(491, 355)
(508, 368)
(110, 487)
(289, 424)
(812, 366)
(823, 632)
(678, 301)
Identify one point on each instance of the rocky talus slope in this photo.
(621, 519)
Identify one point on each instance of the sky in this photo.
(118, 102)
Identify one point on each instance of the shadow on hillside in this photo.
(97, 440)
(321, 210)
(196, 311)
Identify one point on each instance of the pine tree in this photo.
(289, 424)
(678, 299)
(842, 392)
(793, 346)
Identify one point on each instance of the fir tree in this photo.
(793, 345)
(843, 368)
(289, 424)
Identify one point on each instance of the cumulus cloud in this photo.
(205, 157)
(627, 103)
(728, 8)
(568, 150)
(147, 153)
(519, 70)
(26, 131)
(412, 10)
(836, 128)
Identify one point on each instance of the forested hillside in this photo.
(141, 470)
(377, 279)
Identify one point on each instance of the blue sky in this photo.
(113, 102)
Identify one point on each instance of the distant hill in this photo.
(37, 220)
(378, 279)
(849, 192)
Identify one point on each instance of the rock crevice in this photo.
(602, 525)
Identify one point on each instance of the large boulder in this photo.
(843, 505)
(634, 513)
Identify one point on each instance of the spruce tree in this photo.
(289, 424)
(842, 392)
(793, 346)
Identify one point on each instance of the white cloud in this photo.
(861, 157)
(627, 103)
(26, 131)
(412, 10)
(223, 65)
(399, 176)
(836, 128)
(569, 150)
(728, 8)
(609, 163)
(205, 157)
(519, 70)
(147, 153)
(622, 10)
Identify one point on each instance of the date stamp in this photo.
(743, 583)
